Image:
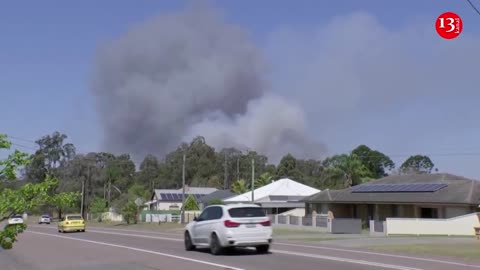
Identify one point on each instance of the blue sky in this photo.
(48, 48)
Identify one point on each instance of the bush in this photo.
(215, 202)
(130, 212)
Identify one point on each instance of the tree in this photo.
(348, 168)
(376, 162)
(130, 212)
(263, 180)
(191, 204)
(215, 202)
(239, 186)
(99, 205)
(62, 201)
(25, 198)
(417, 164)
(52, 153)
(149, 172)
(287, 168)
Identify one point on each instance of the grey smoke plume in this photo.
(186, 74)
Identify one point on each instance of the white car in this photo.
(222, 226)
(44, 219)
(16, 219)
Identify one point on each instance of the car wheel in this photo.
(263, 249)
(215, 247)
(188, 242)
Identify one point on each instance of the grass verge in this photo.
(463, 251)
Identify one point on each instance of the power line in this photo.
(24, 146)
(21, 139)
(473, 6)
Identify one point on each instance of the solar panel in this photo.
(384, 188)
(163, 196)
(169, 196)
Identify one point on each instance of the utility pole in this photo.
(238, 168)
(253, 178)
(82, 207)
(225, 184)
(182, 218)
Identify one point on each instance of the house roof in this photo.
(458, 190)
(197, 191)
(219, 194)
(283, 187)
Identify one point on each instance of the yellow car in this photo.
(70, 223)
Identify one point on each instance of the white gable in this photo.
(282, 187)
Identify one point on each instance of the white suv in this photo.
(235, 225)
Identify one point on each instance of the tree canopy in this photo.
(417, 164)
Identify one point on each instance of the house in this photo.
(277, 197)
(217, 195)
(433, 196)
(171, 199)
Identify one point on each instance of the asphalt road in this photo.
(43, 248)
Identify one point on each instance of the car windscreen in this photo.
(74, 217)
(245, 212)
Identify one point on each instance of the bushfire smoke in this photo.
(191, 73)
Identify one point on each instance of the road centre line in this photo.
(140, 250)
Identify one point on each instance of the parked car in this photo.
(15, 219)
(44, 219)
(222, 226)
(70, 223)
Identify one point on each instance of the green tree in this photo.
(98, 207)
(376, 162)
(191, 204)
(130, 212)
(287, 168)
(417, 164)
(149, 172)
(263, 180)
(239, 186)
(347, 168)
(24, 198)
(62, 201)
(215, 202)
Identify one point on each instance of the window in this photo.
(74, 217)
(215, 213)
(204, 215)
(246, 212)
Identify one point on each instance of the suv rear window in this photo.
(243, 212)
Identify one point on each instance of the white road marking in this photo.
(338, 259)
(141, 250)
(381, 254)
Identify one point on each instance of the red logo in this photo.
(449, 25)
